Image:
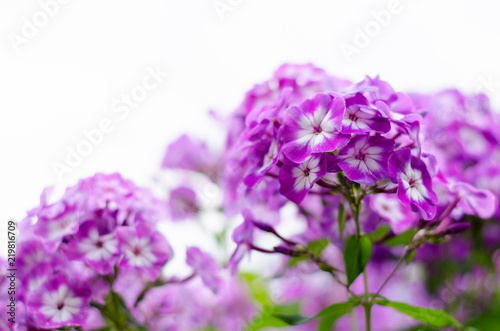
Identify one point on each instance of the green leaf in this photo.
(404, 238)
(488, 321)
(294, 319)
(432, 317)
(266, 320)
(115, 312)
(357, 253)
(422, 328)
(257, 288)
(326, 324)
(291, 308)
(115, 309)
(328, 315)
(317, 246)
(337, 309)
(296, 260)
(379, 233)
(259, 293)
(341, 219)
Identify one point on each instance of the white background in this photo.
(65, 78)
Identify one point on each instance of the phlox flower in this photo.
(313, 127)
(297, 179)
(143, 248)
(364, 159)
(59, 302)
(414, 182)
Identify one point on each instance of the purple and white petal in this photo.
(474, 201)
(143, 248)
(361, 119)
(313, 127)
(388, 207)
(414, 182)
(364, 159)
(59, 302)
(97, 247)
(297, 179)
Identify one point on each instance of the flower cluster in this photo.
(303, 128)
(374, 178)
(96, 249)
(101, 224)
(358, 158)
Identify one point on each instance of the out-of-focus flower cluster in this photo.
(96, 250)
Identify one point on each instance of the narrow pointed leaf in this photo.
(432, 317)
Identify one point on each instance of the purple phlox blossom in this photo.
(60, 301)
(360, 117)
(261, 140)
(265, 200)
(205, 266)
(389, 208)
(95, 245)
(243, 237)
(299, 75)
(263, 156)
(188, 154)
(474, 142)
(100, 191)
(400, 123)
(297, 179)
(44, 203)
(397, 101)
(175, 307)
(112, 193)
(305, 80)
(313, 127)
(474, 201)
(414, 183)
(143, 248)
(364, 159)
(183, 203)
(270, 114)
(62, 220)
(34, 264)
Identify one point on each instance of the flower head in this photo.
(313, 127)
(59, 302)
(364, 159)
(95, 245)
(414, 182)
(360, 119)
(143, 248)
(297, 179)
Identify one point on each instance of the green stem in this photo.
(355, 209)
(368, 304)
(401, 260)
(368, 312)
